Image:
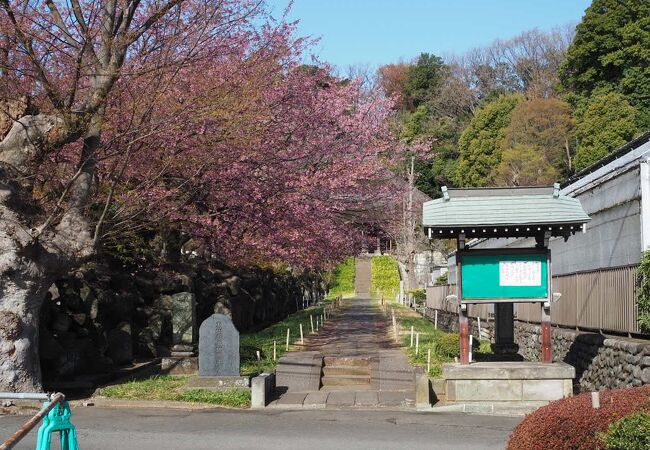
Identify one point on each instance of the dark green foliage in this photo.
(422, 78)
(611, 52)
(629, 433)
(643, 296)
(448, 345)
(608, 122)
(480, 143)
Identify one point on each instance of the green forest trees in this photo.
(480, 143)
(607, 123)
(529, 110)
(611, 53)
(536, 147)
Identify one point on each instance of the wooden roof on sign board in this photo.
(503, 212)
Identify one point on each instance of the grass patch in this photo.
(341, 279)
(169, 387)
(385, 276)
(262, 340)
(444, 346)
(172, 387)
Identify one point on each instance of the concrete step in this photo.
(347, 380)
(354, 388)
(346, 361)
(346, 370)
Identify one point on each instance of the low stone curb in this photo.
(483, 409)
(153, 404)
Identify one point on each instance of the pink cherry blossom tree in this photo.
(195, 114)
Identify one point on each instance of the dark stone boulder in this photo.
(120, 345)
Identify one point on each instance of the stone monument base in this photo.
(180, 365)
(511, 382)
(217, 382)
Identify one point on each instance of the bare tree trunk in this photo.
(33, 253)
(24, 280)
(410, 230)
(20, 367)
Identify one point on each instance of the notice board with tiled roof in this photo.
(503, 212)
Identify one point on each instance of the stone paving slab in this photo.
(345, 399)
(315, 400)
(338, 399)
(367, 398)
(396, 398)
(291, 400)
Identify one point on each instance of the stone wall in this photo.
(99, 317)
(601, 362)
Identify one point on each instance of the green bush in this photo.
(448, 345)
(629, 433)
(419, 295)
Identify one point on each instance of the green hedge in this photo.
(629, 433)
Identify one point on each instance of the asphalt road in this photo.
(149, 429)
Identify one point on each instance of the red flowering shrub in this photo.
(572, 423)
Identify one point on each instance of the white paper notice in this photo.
(520, 273)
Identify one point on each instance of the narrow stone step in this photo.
(346, 370)
(347, 380)
(345, 361)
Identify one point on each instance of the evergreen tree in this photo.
(607, 123)
(611, 52)
(480, 143)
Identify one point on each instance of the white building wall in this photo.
(613, 197)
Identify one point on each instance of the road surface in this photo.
(155, 429)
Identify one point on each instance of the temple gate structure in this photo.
(503, 277)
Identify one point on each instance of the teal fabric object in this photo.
(57, 420)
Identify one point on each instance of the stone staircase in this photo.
(346, 373)
(362, 276)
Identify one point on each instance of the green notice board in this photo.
(509, 276)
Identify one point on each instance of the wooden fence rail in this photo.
(599, 300)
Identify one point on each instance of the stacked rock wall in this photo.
(601, 362)
(101, 317)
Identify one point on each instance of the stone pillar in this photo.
(504, 330)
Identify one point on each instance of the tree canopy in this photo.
(611, 52)
(480, 143)
(607, 123)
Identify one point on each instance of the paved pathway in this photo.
(362, 275)
(358, 332)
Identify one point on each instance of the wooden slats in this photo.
(602, 300)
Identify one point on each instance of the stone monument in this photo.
(218, 347)
(218, 355)
(183, 313)
(184, 335)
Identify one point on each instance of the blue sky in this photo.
(377, 32)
